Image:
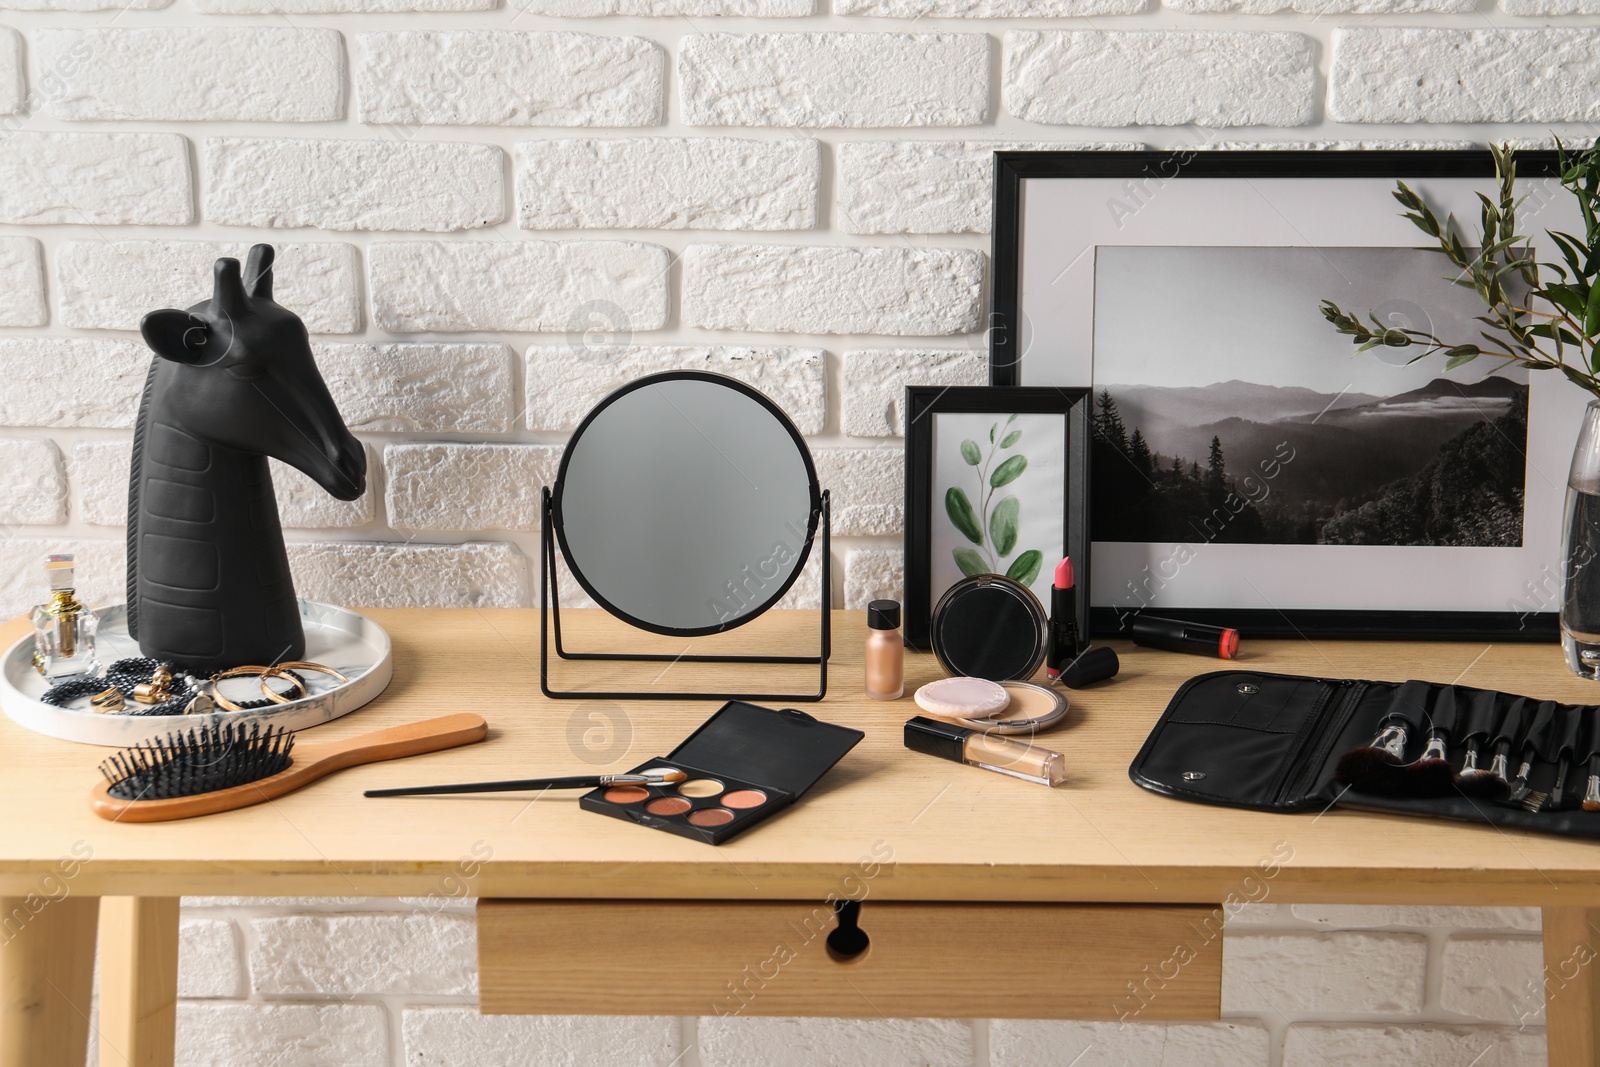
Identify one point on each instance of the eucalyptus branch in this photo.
(1502, 251)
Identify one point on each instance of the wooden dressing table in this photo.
(1107, 892)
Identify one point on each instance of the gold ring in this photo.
(263, 673)
(307, 665)
(107, 701)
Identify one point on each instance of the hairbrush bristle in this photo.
(203, 760)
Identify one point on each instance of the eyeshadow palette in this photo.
(745, 764)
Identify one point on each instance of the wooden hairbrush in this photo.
(220, 768)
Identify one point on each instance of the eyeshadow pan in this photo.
(711, 817)
(745, 798)
(626, 794)
(700, 787)
(668, 806)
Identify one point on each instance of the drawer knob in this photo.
(847, 941)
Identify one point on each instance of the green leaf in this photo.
(970, 453)
(992, 429)
(1591, 317)
(1463, 354)
(1008, 472)
(970, 562)
(959, 508)
(1025, 568)
(1010, 438)
(1012, 419)
(1003, 525)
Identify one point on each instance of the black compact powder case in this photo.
(990, 626)
(745, 764)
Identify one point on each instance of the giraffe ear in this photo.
(176, 335)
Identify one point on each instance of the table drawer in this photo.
(989, 960)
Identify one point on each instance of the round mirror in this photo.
(686, 503)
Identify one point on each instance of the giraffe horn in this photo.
(258, 272)
(227, 292)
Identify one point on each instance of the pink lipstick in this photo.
(1064, 641)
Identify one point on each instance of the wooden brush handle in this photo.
(311, 761)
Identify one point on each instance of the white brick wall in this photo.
(353, 185)
(1439, 75)
(111, 285)
(194, 74)
(668, 183)
(99, 179)
(21, 283)
(509, 79)
(480, 212)
(11, 88)
(540, 286)
(1151, 78)
(928, 186)
(835, 79)
(564, 382)
(786, 289)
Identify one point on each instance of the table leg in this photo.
(1572, 986)
(46, 979)
(138, 981)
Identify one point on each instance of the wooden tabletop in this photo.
(926, 828)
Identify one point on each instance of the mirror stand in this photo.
(550, 617)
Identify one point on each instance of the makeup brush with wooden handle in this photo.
(220, 768)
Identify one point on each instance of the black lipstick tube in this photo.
(1062, 648)
(1176, 636)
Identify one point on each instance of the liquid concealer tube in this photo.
(992, 752)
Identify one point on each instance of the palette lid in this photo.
(786, 749)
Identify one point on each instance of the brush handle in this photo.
(1480, 716)
(576, 781)
(312, 760)
(1513, 722)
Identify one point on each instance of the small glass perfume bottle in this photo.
(63, 629)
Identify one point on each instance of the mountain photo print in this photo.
(1227, 411)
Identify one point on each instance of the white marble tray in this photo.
(342, 639)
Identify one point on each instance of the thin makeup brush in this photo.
(1591, 786)
(1566, 742)
(577, 781)
(1495, 783)
(1533, 742)
(1487, 782)
(1431, 774)
(1376, 766)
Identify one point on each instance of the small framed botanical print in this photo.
(997, 482)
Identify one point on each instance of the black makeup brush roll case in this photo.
(1289, 743)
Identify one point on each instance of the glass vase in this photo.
(1580, 569)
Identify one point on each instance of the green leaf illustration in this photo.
(1008, 472)
(992, 429)
(970, 453)
(959, 508)
(1025, 568)
(1003, 525)
(1010, 439)
(970, 562)
(1012, 419)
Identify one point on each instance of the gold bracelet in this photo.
(263, 673)
(307, 665)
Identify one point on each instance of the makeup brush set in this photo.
(1286, 743)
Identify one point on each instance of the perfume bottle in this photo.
(63, 629)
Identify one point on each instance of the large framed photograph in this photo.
(997, 482)
(1251, 467)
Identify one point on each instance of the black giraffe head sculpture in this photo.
(233, 383)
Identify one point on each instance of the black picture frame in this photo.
(1151, 170)
(922, 405)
